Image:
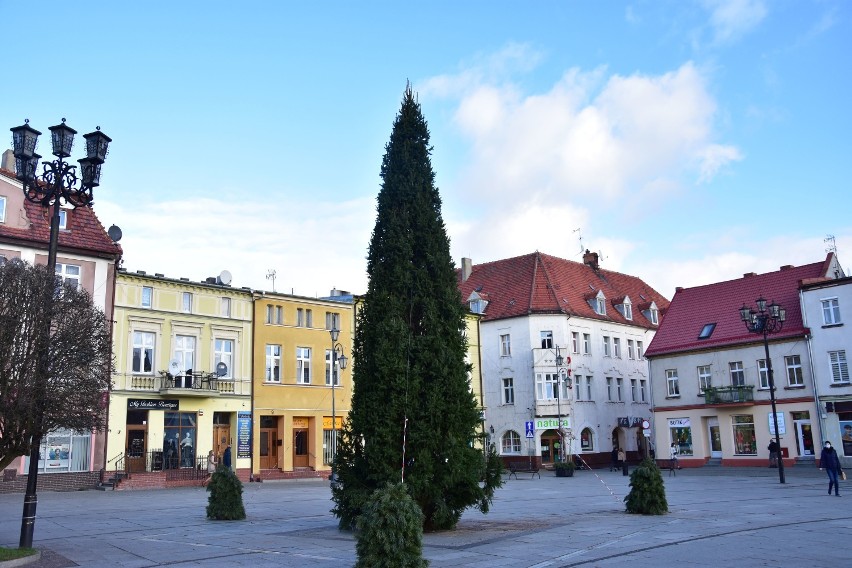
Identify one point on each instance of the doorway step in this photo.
(806, 461)
(713, 462)
(112, 482)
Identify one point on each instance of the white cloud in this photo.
(732, 19)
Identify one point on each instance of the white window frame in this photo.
(303, 365)
(332, 320)
(705, 378)
(273, 363)
(672, 383)
(762, 374)
(639, 349)
(616, 347)
(606, 347)
(619, 388)
(546, 385)
(587, 344)
(575, 341)
(269, 312)
(300, 317)
(184, 352)
(309, 318)
(630, 351)
(144, 343)
(795, 375)
(643, 384)
(546, 339)
(63, 219)
(279, 315)
(508, 390)
(225, 307)
(830, 311)
(600, 304)
(609, 389)
(655, 316)
(505, 345)
(186, 302)
(628, 310)
(328, 359)
(2, 209)
(736, 368)
(149, 301)
(69, 273)
(510, 443)
(633, 385)
(838, 366)
(588, 387)
(223, 352)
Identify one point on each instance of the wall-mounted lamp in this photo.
(200, 412)
(492, 429)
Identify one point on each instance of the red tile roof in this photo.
(542, 284)
(692, 308)
(85, 232)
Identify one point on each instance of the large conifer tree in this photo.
(413, 416)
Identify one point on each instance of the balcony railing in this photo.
(729, 395)
(191, 384)
(178, 464)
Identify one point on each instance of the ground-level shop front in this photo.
(737, 436)
(292, 445)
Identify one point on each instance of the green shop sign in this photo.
(551, 423)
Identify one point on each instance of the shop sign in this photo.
(244, 434)
(300, 423)
(148, 404)
(782, 427)
(551, 423)
(629, 421)
(679, 423)
(326, 422)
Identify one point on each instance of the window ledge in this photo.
(841, 385)
(795, 387)
(832, 325)
(672, 396)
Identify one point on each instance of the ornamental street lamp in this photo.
(338, 359)
(56, 185)
(561, 374)
(766, 320)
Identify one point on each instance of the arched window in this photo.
(587, 440)
(511, 442)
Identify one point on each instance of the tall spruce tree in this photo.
(413, 417)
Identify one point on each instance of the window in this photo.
(223, 352)
(619, 383)
(839, 369)
(680, 432)
(269, 314)
(737, 374)
(147, 296)
(600, 304)
(226, 307)
(616, 347)
(332, 320)
(309, 318)
(744, 438)
(575, 342)
(143, 352)
(588, 387)
(630, 352)
(273, 363)
(642, 386)
(547, 340)
(508, 391)
(587, 344)
(587, 442)
(584, 391)
(545, 386)
(639, 350)
(2, 209)
(707, 330)
(300, 317)
(763, 373)
(578, 384)
(511, 442)
(655, 319)
(477, 306)
(279, 315)
(303, 365)
(328, 357)
(63, 219)
(633, 393)
(705, 378)
(628, 310)
(185, 352)
(609, 389)
(794, 371)
(672, 382)
(505, 345)
(69, 274)
(606, 347)
(830, 311)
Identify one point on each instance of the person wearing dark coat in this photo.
(829, 461)
(614, 456)
(773, 453)
(226, 457)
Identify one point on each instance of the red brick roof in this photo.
(85, 232)
(541, 284)
(692, 308)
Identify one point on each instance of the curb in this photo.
(23, 561)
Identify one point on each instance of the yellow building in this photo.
(182, 381)
(292, 432)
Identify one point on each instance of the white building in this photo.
(599, 321)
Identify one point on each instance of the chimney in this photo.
(8, 161)
(466, 269)
(787, 267)
(749, 274)
(591, 259)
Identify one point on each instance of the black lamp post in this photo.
(766, 320)
(561, 374)
(337, 359)
(57, 184)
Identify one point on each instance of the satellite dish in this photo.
(225, 277)
(114, 233)
(174, 367)
(221, 369)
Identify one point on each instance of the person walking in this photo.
(773, 453)
(614, 457)
(226, 457)
(829, 461)
(673, 464)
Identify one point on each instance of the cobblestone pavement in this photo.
(737, 516)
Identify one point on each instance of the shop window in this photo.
(179, 443)
(680, 433)
(511, 443)
(744, 438)
(846, 432)
(587, 440)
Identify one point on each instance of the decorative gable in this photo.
(477, 303)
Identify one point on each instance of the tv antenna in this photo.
(831, 246)
(580, 237)
(270, 275)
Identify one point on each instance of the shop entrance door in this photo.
(804, 438)
(137, 444)
(268, 448)
(549, 446)
(300, 448)
(221, 436)
(715, 437)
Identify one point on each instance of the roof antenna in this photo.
(580, 237)
(270, 275)
(831, 246)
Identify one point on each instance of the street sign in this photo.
(646, 424)
(530, 428)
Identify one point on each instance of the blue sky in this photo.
(686, 141)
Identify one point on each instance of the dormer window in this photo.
(2, 209)
(624, 307)
(652, 313)
(600, 304)
(476, 303)
(63, 219)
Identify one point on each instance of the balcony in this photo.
(729, 396)
(185, 384)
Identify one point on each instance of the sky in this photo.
(685, 141)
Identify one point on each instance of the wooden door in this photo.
(300, 448)
(221, 437)
(136, 448)
(268, 448)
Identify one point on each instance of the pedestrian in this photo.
(622, 457)
(211, 462)
(829, 461)
(773, 453)
(226, 457)
(673, 463)
(614, 456)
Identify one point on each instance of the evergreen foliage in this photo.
(390, 530)
(648, 493)
(225, 502)
(411, 402)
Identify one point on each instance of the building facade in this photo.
(182, 380)
(87, 257)
(536, 307)
(300, 402)
(710, 375)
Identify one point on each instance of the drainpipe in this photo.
(817, 402)
(111, 317)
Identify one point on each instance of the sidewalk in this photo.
(738, 516)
